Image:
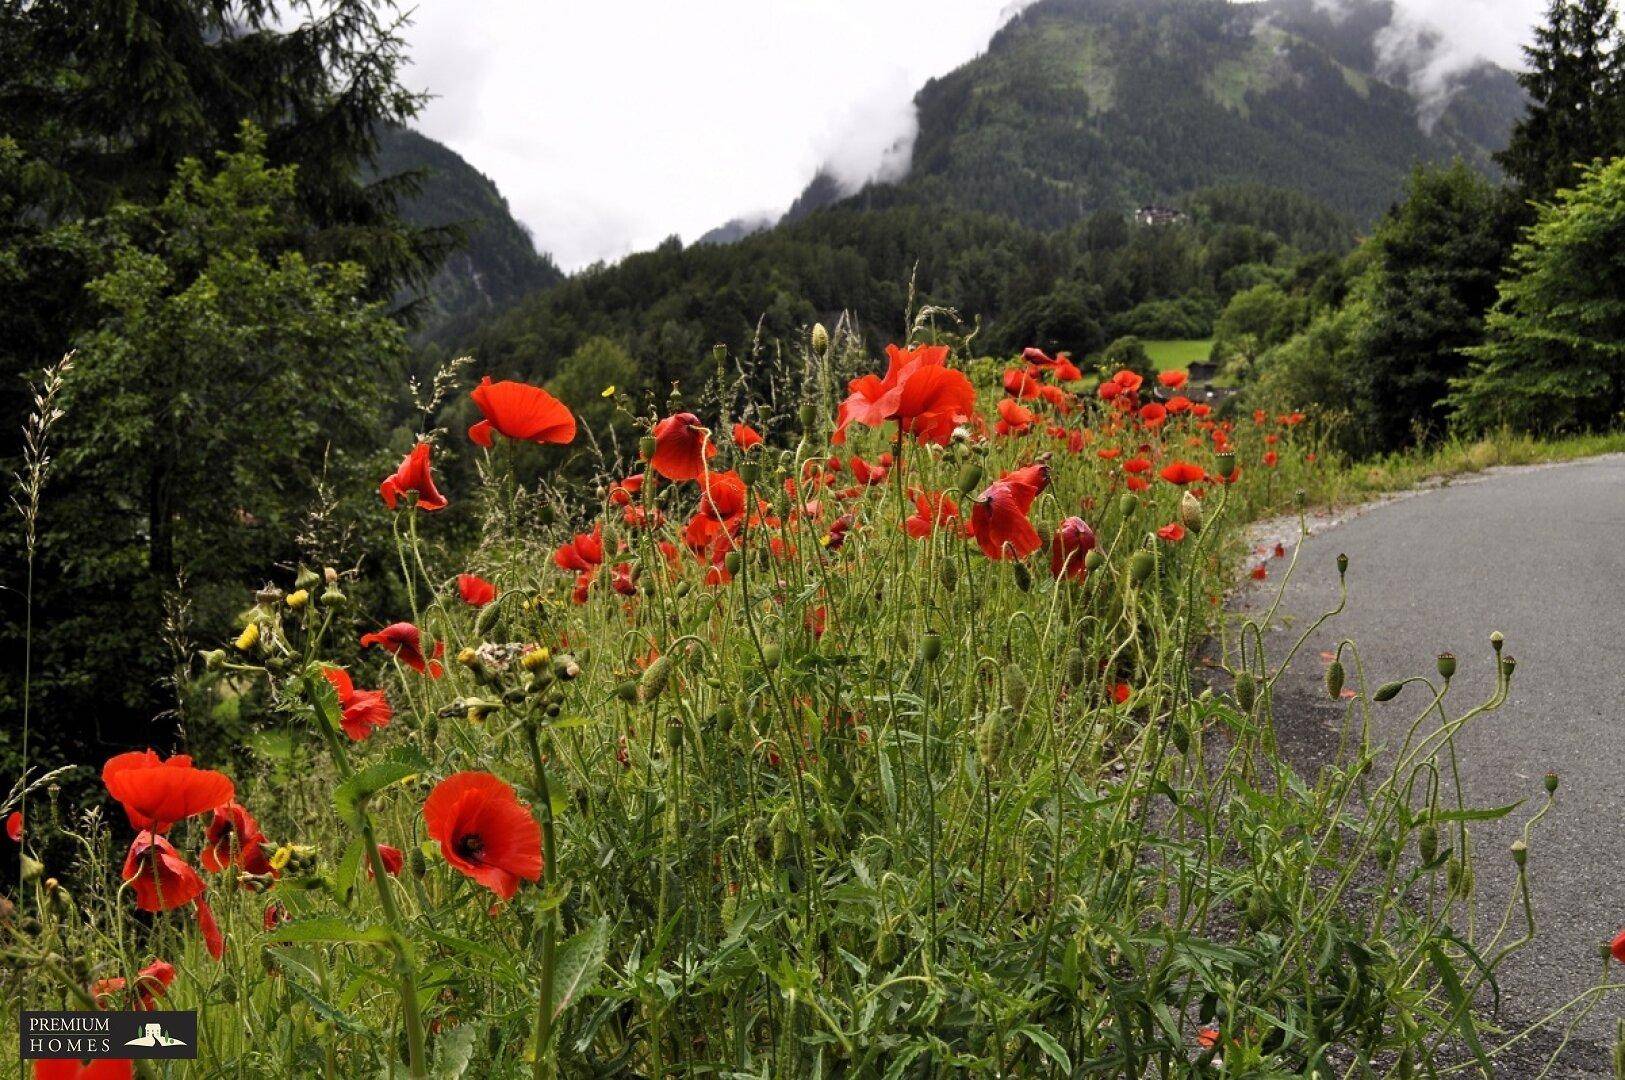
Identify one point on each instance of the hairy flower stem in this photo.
(415, 1057)
(543, 1065)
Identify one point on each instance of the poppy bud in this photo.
(969, 477)
(1190, 511)
(1446, 665)
(949, 574)
(214, 659)
(1427, 842)
(820, 338)
(1180, 736)
(485, 619)
(249, 637)
(930, 646)
(1140, 566)
(416, 862)
(749, 471)
(1077, 666)
(1459, 876)
(1301, 498)
(1127, 504)
(1024, 577)
(1551, 783)
(806, 414)
(989, 740)
(1015, 688)
(1094, 560)
(1334, 679)
(770, 657)
(654, 678)
(1342, 565)
(732, 562)
(1246, 691)
(1387, 691)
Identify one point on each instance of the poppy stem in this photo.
(550, 922)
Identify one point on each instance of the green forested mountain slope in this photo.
(498, 263)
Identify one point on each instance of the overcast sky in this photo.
(612, 124)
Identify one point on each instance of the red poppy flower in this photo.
(14, 827)
(1073, 541)
(405, 642)
(1153, 415)
(1138, 483)
(485, 831)
(621, 494)
(585, 552)
(1271, 458)
(392, 859)
(415, 478)
(74, 1069)
(159, 877)
(681, 447)
(1182, 472)
(1173, 380)
(1014, 418)
(361, 711)
(932, 510)
(1127, 380)
(151, 983)
(210, 929)
(1618, 948)
(157, 793)
(866, 474)
(233, 837)
(624, 580)
(1110, 453)
(1178, 403)
(1173, 533)
(475, 590)
(999, 518)
(926, 398)
(1121, 692)
(1021, 383)
(522, 412)
(746, 436)
(1066, 371)
(1137, 465)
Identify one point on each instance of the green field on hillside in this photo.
(1167, 355)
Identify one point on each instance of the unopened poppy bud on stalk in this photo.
(1094, 560)
(820, 338)
(1246, 691)
(1334, 679)
(1127, 504)
(1427, 842)
(1141, 565)
(969, 477)
(989, 740)
(1388, 691)
(1190, 511)
(654, 678)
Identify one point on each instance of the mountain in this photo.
(496, 264)
(1083, 105)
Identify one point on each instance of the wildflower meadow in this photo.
(894, 727)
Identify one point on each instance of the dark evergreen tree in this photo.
(1576, 86)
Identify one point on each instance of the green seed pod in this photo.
(1388, 691)
(1427, 842)
(1077, 666)
(674, 732)
(1551, 783)
(1016, 689)
(733, 561)
(1508, 664)
(1446, 665)
(654, 678)
(930, 646)
(1024, 576)
(1246, 691)
(1127, 504)
(989, 740)
(725, 717)
(771, 655)
(1140, 566)
(1342, 565)
(228, 991)
(1225, 462)
(1334, 679)
(749, 471)
(969, 477)
(1093, 561)
(646, 446)
(684, 587)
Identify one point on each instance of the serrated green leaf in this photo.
(453, 1051)
(348, 796)
(1047, 1044)
(333, 929)
(577, 964)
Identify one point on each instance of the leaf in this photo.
(333, 929)
(1460, 1004)
(326, 1011)
(454, 1050)
(344, 876)
(1489, 814)
(348, 796)
(1046, 1042)
(577, 964)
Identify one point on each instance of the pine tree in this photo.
(1576, 86)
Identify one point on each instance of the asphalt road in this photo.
(1539, 554)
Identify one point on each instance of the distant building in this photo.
(1160, 215)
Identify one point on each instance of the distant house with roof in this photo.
(1153, 214)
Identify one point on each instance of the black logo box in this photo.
(99, 1035)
